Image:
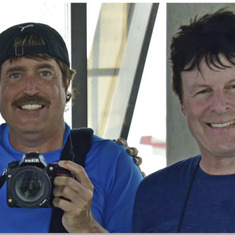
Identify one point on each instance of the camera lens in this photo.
(31, 186)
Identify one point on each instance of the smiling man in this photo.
(209, 107)
(197, 194)
(32, 100)
(34, 78)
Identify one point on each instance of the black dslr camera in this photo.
(30, 182)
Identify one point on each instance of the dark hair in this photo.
(32, 39)
(206, 37)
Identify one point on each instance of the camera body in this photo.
(30, 182)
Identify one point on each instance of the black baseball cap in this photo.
(54, 43)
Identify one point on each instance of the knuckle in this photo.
(89, 195)
(132, 151)
(122, 141)
(138, 160)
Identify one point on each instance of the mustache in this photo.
(31, 98)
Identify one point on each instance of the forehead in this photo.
(29, 62)
(221, 68)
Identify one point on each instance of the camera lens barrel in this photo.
(29, 187)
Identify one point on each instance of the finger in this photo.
(79, 172)
(78, 187)
(132, 151)
(138, 160)
(65, 192)
(122, 141)
(71, 189)
(63, 204)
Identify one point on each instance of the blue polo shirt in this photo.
(111, 170)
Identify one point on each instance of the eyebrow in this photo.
(45, 65)
(202, 85)
(21, 68)
(15, 68)
(231, 81)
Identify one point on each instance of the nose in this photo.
(31, 85)
(220, 103)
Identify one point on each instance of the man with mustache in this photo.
(34, 81)
(197, 195)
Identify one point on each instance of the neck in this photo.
(38, 142)
(218, 165)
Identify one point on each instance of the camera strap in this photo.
(3, 178)
(77, 145)
(76, 148)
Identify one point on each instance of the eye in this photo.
(15, 75)
(45, 74)
(232, 86)
(203, 91)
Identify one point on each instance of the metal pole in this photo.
(79, 63)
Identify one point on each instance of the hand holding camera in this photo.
(77, 216)
(32, 183)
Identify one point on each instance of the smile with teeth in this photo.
(222, 125)
(31, 106)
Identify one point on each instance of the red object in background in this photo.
(149, 140)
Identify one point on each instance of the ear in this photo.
(183, 109)
(66, 85)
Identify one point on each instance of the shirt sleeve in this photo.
(116, 181)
